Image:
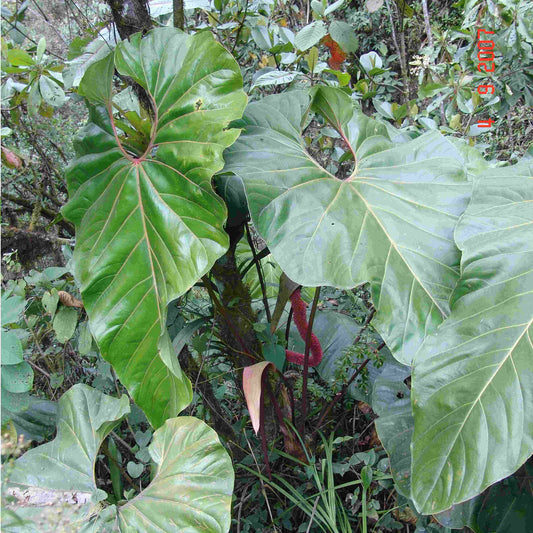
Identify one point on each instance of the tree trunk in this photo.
(427, 22)
(236, 324)
(179, 14)
(400, 50)
(130, 16)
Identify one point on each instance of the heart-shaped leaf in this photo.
(134, 469)
(389, 223)
(50, 300)
(149, 225)
(64, 323)
(191, 490)
(12, 352)
(84, 419)
(472, 380)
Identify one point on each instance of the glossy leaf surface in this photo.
(391, 401)
(149, 224)
(505, 506)
(85, 417)
(390, 223)
(472, 380)
(191, 490)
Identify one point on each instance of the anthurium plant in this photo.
(443, 240)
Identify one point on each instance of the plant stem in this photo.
(263, 253)
(306, 360)
(400, 50)
(363, 506)
(290, 393)
(240, 28)
(288, 328)
(46, 213)
(340, 394)
(276, 405)
(222, 311)
(262, 431)
(261, 479)
(312, 517)
(259, 273)
(427, 23)
(113, 459)
(179, 14)
(123, 442)
(366, 323)
(44, 372)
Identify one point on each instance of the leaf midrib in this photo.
(477, 400)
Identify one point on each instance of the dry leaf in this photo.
(68, 300)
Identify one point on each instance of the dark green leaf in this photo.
(12, 353)
(33, 417)
(64, 323)
(390, 223)
(505, 506)
(275, 353)
(17, 378)
(472, 394)
(149, 225)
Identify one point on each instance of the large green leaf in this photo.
(505, 506)
(149, 225)
(12, 307)
(190, 492)
(391, 401)
(390, 223)
(32, 417)
(473, 379)
(192, 488)
(57, 472)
